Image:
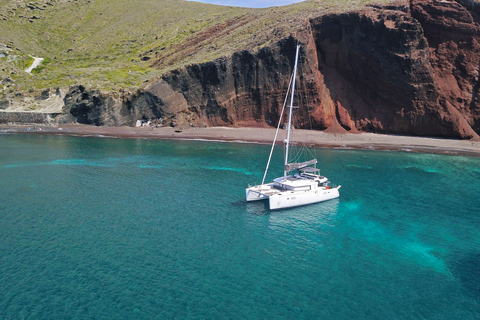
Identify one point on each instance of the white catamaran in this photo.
(304, 186)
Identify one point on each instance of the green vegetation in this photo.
(42, 66)
(123, 43)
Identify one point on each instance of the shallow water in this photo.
(142, 229)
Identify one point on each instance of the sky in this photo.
(250, 3)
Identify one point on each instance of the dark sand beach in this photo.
(364, 141)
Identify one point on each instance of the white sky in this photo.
(250, 3)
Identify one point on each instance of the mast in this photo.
(287, 142)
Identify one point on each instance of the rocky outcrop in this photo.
(89, 106)
(402, 69)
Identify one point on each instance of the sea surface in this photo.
(98, 228)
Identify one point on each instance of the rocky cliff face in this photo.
(453, 33)
(405, 70)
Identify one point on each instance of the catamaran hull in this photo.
(288, 199)
(257, 193)
(294, 199)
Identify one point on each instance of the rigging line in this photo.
(311, 152)
(292, 96)
(278, 127)
(297, 152)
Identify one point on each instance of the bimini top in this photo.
(299, 165)
(310, 170)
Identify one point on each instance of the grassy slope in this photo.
(104, 43)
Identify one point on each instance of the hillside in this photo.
(105, 43)
(99, 43)
(404, 67)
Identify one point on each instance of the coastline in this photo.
(319, 139)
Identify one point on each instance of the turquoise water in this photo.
(96, 228)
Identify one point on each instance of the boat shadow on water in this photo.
(467, 270)
(258, 208)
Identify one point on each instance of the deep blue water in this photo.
(96, 228)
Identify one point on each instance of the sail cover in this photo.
(299, 165)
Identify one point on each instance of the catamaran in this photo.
(301, 183)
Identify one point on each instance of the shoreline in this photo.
(319, 139)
